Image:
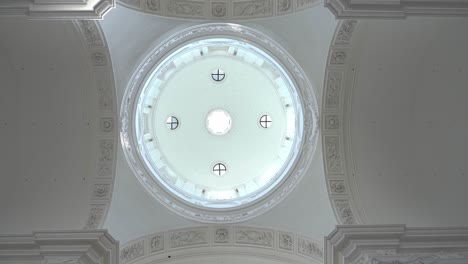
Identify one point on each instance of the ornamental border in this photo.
(333, 120)
(219, 10)
(105, 123)
(211, 240)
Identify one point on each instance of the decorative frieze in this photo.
(309, 248)
(221, 235)
(215, 238)
(254, 237)
(188, 238)
(284, 6)
(338, 57)
(157, 243)
(337, 186)
(219, 9)
(106, 157)
(334, 164)
(345, 32)
(98, 59)
(345, 214)
(101, 191)
(153, 5)
(253, 8)
(95, 216)
(132, 251)
(333, 88)
(91, 33)
(285, 241)
(186, 8)
(332, 121)
(106, 124)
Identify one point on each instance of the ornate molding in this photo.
(305, 148)
(84, 246)
(219, 10)
(396, 244)
(332, 127)
(104, 107)
(215, 239)
(57, 9)
(396, 9)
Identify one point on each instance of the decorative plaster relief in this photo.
(132, 251)
(333, 88)
(188, 238)
(95, 216)
(343, 37)
(214, 238)
(157, 243)
(153, 5)
(337, 186)
(98, 59)
(344, 211)
(105, 94)
(332, 122)
(106, 157)
(186, 8)
(332, 155)
(101, 191)
(253, 8)
(91, 32)
(284, 6)
(338, 57)
(333, 129)
(221, 235)
(254, 237)
(106, 124)
(219, 9)
(303, 4)
(285, 241)
(309, 248)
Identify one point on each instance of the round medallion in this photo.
(223, 120)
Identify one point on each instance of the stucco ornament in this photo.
(232, 209)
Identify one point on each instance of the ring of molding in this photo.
(219, 10)
(105, 123)
(212, 240)
(283, 188)
(336, 155)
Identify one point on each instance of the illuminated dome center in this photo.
(218, 122)
(214, 123)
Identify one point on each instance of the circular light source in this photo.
(218, 122)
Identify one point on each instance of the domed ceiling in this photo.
(133, 203)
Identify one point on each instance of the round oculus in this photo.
(220, 122)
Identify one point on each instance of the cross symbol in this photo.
(265, 121)
(172, 122)
(218, 75)
(219, 169)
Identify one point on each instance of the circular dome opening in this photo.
(184, 80)
(218, 122)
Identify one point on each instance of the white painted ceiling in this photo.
(408, 116)
(307, 210)
(46, 131)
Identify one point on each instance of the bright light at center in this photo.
(218, 122)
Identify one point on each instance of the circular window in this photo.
(181, 169)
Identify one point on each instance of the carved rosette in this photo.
(104, 105)
(219, 10)
(332, 127)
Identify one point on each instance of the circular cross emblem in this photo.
(265, 121)
(172, 122)
(218, 75)
(219, 169)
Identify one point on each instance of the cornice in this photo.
(57, 9)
